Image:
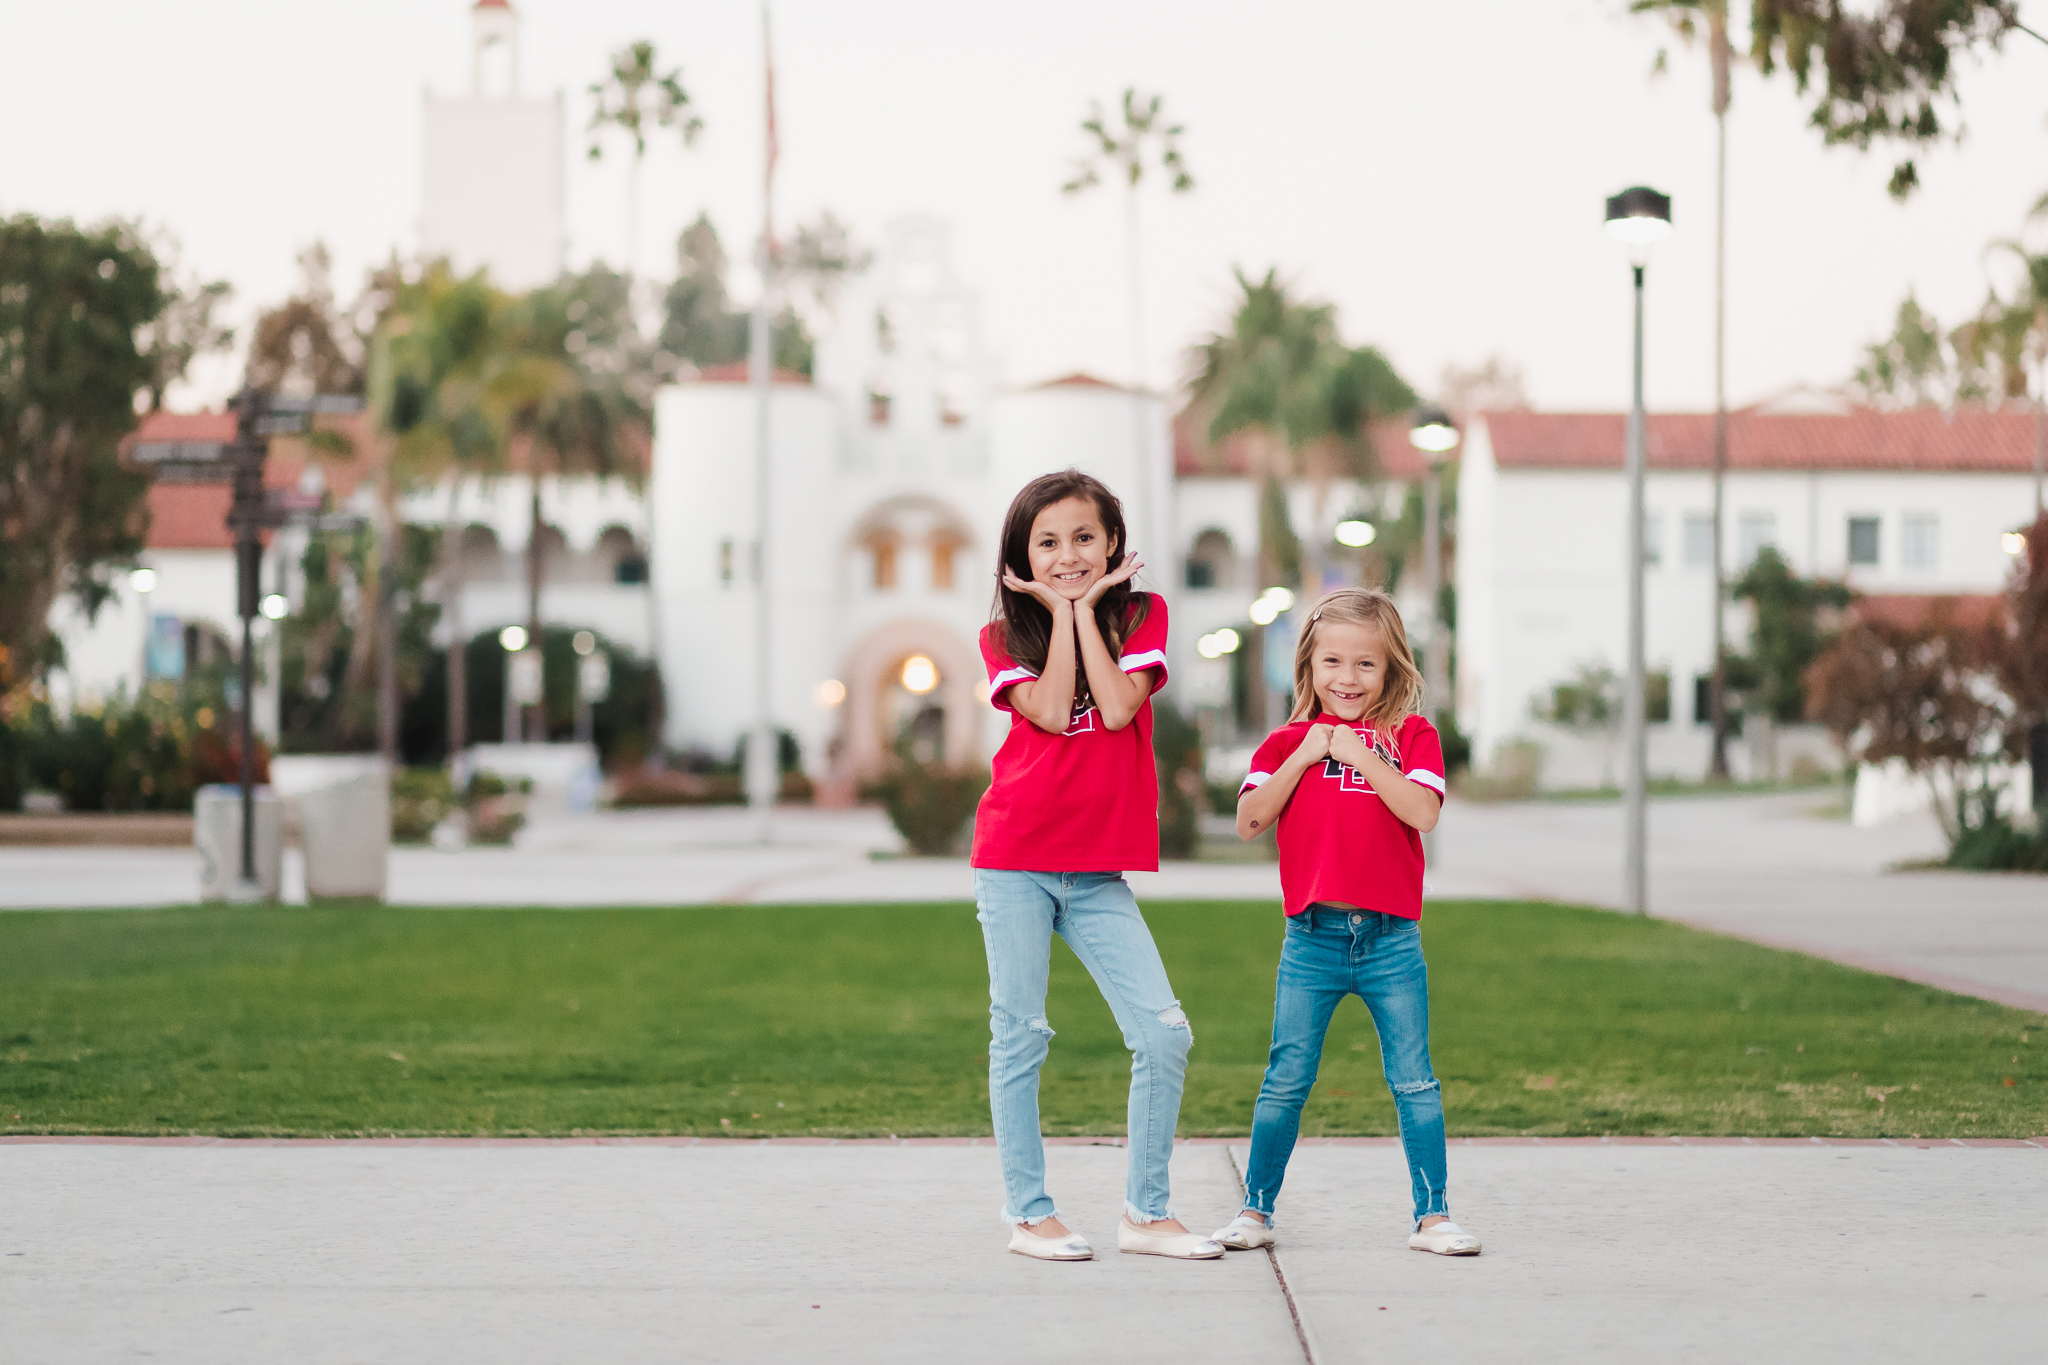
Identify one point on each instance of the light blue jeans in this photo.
(1097, 915)
(1330, 953)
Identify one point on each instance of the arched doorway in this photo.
(909, 677)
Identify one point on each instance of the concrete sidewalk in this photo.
(748, 1252)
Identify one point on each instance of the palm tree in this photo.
(1144, 142)
(2014, 333)
(1685, 16)
(1280, 375)
(634, 98)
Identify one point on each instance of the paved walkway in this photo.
(1765, 868)
(770, 1252)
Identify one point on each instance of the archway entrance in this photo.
(911, 681)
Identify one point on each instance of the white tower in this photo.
(492, 189)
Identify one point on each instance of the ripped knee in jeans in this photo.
(1174, 1017)
(1413, 1087)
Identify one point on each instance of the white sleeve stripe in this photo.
(1426, 778)
(1253, 780)
(1151, 658)
(1008, 676)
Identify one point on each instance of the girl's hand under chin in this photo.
(1109, 580)
(1044, 592)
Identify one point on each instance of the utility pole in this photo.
(763, 775)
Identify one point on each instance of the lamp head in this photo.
(1432, 432)
(1638, 217)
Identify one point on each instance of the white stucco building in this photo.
(492, 165)
(1906, 504)
(889, 475)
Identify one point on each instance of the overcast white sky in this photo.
(1437, 170)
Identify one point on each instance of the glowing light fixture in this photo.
(1639, 216)
(584, 642)
(512, 639)
(1228, 640)
(1356, 534)
(1264, 612)
(1433, 433)
(830, 692)
(2013, 543)
(143, 580)
(1206, 647)
(274, 607)
(920, 675)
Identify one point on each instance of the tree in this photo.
(634, 98)
(1909, 368)
(699, 322)
(1887, 68)
(306, 343)
(186, 328)
(73, 305)
(1280, 374)
(1790, 632)
(1588, 704)
(1923, 692)
(2009, 335)
(1145, 141)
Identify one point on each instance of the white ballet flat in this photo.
(1246, 1234)
(1181, 1246)
(1444, 1239)
(1072, 1247)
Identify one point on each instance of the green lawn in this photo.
(873, 1019)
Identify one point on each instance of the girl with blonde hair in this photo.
(1353, 780)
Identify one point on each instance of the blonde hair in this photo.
(1401, 693)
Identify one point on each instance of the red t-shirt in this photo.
(1086, 800)
(1338, 840)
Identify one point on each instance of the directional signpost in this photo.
(239, 464)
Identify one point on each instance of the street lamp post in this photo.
(1637, 217)
(1435, 437)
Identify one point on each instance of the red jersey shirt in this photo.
(1086, 800)
(1338, 840)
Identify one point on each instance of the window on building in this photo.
(1657, 697)
(1653, 539)
(1754, 531)
(1209, 561)
(1863, 542)
(883, 548)
(1702, 698)
(725, 564)
(1699, 540)
(1920, 540)
(945, 549)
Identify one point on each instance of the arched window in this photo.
(945, 548)
(1210, 561)
(883, 545)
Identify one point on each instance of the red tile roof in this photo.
(1862, 439)
(735, 372)
(1079, 380)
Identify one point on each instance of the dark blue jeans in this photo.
(1330, 953)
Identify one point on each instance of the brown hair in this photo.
(1024, 625)
(1401, 693)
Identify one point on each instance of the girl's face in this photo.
(1347, 668)
(1069, 548)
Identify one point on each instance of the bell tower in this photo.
(494, 33)
(493, 165)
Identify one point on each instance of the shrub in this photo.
(421, 798)
(129, 754)
(496, 806)
(1177, 748)
(932, 806)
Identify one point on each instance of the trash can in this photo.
(345, 830)
(217, 831)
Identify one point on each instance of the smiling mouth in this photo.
(1335, 695)
(1075, 577)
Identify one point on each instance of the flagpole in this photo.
(763, 767)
